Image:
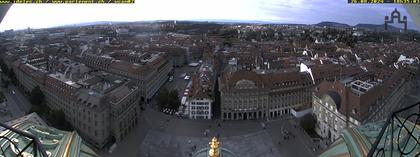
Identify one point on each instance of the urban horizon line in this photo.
(217, 21)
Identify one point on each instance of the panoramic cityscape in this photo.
(186, 88)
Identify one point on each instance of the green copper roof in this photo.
(339, 149)
(358, 141)
(205, 153)
(57, 143)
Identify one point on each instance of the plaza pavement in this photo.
(161, 135)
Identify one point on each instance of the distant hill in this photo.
(374, 27)
(333, 24)
(369, 27)
(84, 24)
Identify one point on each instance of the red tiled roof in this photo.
(269, 81)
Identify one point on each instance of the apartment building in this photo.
(357, 100)
(150, 73)
(201, 94)
(31, 70)
(125, 110)
(99, 105)
(29, 76)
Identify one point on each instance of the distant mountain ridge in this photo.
(376, 27)
(90, 23)
(370, 27)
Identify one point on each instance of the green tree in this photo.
(229, 33)
(12, 76)
(58, 120)
(252, 35)
(36, 96)
(5, 83)
(2, 98)
(161, 98)
(37, 100)
(227, 43)
(3, 66)
(168, 99)
(173, 101)
(308, 123)
(350, 41)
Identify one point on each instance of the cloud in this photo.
(21, 16)
(314, 11)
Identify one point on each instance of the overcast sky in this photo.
(22, 16)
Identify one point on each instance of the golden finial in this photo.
(214, 148)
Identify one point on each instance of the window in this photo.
(354, 111)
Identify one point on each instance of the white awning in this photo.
(183, 100)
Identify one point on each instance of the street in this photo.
(17, 103)
(179, 83)
(21, 101)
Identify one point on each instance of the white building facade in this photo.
(330, 121)
(200, 108)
